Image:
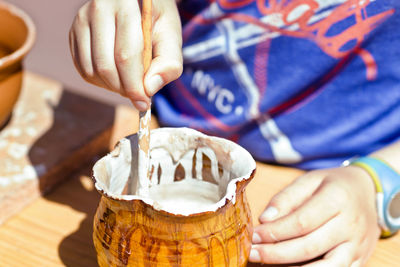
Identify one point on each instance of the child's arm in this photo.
(329, 212)
(106, 44)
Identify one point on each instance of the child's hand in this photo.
(106, 41)
(325, 212)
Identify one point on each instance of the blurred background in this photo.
(50, 56)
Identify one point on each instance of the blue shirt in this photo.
(306, 83)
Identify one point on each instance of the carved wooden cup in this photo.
(17, 36)
(131, 230)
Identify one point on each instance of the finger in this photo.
(80, 66)
(128, 53)
(167, 63)
(316, 211)
(80, 48)
(74, 52)
(300, 249)
(291, 197)
(357, 263)
(102, 27)
(340, 256)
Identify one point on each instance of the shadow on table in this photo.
(81, 129)
(76, 249)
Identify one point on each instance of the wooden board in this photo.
(51, 133)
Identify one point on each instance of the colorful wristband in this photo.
(387, 184)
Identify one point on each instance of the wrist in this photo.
(362, 181)
(387, 186)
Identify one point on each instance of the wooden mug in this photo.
(133, 230)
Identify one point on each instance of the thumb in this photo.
(167, 63)
(291, 197)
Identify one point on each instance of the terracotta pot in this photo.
(17, 35)
(132, 230)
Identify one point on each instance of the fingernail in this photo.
(154, 84)
(256, 238)
(254, 255)
(141, 105)
(269, 214)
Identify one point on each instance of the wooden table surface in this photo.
(56, 230)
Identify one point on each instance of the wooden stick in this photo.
(145, 117)
(147, 32)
